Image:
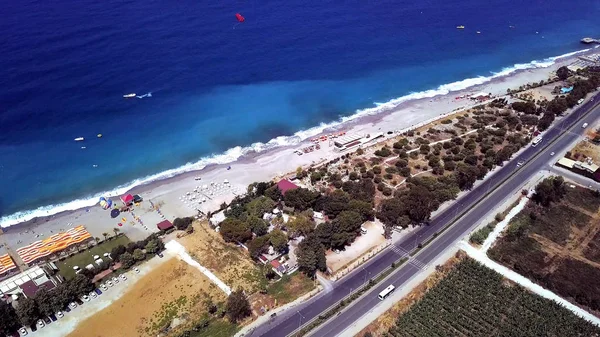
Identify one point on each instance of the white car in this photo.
(60, 314)
(103, 287)
(72, 305)
(584, 125)
(40, 323)
(115, 280)
(123, 277)
(93, 295)
(85, 298)
(552, 153)
(519, 164)
(109, 283)
(136, 270)
(23, 332)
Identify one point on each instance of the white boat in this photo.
(129, 95)
(79, 139)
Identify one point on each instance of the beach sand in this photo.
(167, 193)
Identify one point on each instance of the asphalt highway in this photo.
(559, 136)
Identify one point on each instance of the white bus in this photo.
(386, 292)
(536, 141)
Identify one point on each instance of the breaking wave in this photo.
(237, 152)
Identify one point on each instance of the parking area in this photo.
(63, 323)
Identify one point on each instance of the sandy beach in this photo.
(172, 195)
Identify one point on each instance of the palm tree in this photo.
(105, 235)
(116, 230)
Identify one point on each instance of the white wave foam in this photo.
(237, 152)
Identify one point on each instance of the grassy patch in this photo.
(216, 328)
(556, 221)
(87, 257)
(481, 234)
(166, 314)
(290, 287)
(584, 198)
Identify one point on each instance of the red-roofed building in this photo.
(278, 267)
(285, 185)
(164, 225)
(127, 199)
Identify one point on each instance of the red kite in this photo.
(239, 17)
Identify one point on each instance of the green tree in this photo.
(8, 319)
(563, 73)
(257, 246)
(139, 255)
(182, 223)
(300, 225)
(238, 306)
(234, 230)
(152, 246)
(257, 225)
(116, 252)
(27, 311)
(260, 206)
(127, 260)
(466, 175)
(300, 198)
(278, 240)
(550, 190)
(311, 256)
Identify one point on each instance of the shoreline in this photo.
(399, 114)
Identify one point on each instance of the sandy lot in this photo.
(171, 290)
(361, 246)
(229, 263)
(586, 149)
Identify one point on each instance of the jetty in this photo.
(589, 40)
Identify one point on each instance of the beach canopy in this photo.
(114, 213)
(127, 199)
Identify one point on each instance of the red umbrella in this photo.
(120, 224)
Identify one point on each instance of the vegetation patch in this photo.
(555, 242)
(475, 301)
(87, 257)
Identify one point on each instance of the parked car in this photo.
(98, 291)
(78, 301)
(552, 153)
(109, 283)
(40, 323)
(103, 287)
(115, 280)
(53, 317)
(123, 277)
(92, 295)
(72, 305)
(85, 298)
(136, 270)
(60, 314)
(23, 331)
(160, 255)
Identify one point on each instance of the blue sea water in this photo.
(219, 86)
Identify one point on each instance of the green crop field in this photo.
(475, 301)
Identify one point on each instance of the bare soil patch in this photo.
(230, 263)
(173, 290)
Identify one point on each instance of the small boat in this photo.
(460, 27)
(79, 139)
(129, 95)
(83, 147)
(478, 32)
(99, 135)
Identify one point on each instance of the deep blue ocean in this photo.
(218, 84)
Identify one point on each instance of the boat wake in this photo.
(237, 152)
